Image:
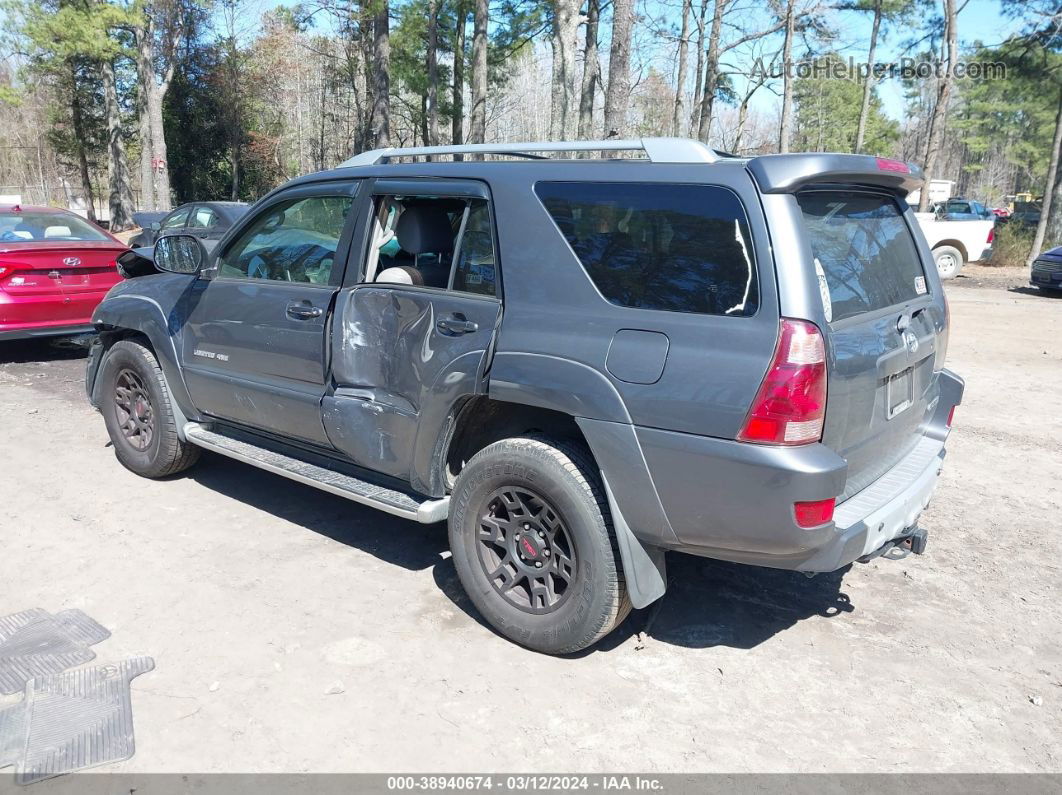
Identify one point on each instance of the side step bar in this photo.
(397, 503)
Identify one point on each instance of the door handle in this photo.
(303, 311)
(456, 325)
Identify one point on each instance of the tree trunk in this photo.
(431, 132)
(711, 71)
(79, 134)
(940, 110)
(145, 69)
(477, 128)
(120, 196)
(163, 200)
(565, 32)
(680, 75)
(591, 71)
(380, 119)
(618, 92)
(785, 130)
(1051, 212)
(458, 122)
(695, 117)
(868, 83)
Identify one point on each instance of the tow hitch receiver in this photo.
(899, 548)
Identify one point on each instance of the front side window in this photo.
(435, 241)
(294, 241)
(863, 249)
(203, 218)
(678, 248)
(176, 220)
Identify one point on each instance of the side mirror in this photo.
(179, 254)
(156, 226)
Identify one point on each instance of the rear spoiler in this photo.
(790, 173)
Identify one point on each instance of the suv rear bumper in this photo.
(733, 501)
(885, 510)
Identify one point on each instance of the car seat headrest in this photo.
(424, 229)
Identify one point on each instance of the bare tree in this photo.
(158, 34)
(431, 133)
(566, 21)
(786, 127)
(477, 131)
(618, 91)
(457, 124)
(120, 193)
(868, 82)
(591, 71)
(380, 118)
(695, 117)
(940, 109)
(1050, 189)
(678, 119)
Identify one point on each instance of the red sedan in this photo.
(54, 268)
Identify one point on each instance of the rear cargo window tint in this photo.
(679, 248)
(864, 249)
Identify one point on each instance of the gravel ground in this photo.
(294, 631)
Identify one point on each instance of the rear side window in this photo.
(678, 248)
(864, 251)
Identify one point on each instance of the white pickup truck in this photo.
(954, 243)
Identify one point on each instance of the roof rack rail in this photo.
(657, 150)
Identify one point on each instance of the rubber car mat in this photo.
(36, 643)
(71, 721)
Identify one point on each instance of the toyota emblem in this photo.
(72, 261)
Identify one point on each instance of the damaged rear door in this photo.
(406, 352)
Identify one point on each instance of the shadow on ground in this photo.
(1030, 290)
(708, 603)
(45, 349)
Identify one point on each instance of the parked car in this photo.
(55, 267)
(205, 220)
(962, 210)
(955, 243)
(1046, 271)
(578, 364)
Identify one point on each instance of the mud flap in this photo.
(644, 568)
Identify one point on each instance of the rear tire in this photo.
(949, 261)
(527, 501)
(136, 408)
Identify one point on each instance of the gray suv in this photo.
(580, 363)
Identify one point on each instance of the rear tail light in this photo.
(814, 514)
(991, 235)
(951, 416)
(791, 403)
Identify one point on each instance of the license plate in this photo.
(899, 393)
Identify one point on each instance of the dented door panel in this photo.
(399, 368)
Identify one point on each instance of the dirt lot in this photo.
(295, 631)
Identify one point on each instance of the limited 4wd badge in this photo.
(221, 357)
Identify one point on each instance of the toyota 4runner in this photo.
(578, 363)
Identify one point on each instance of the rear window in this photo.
(863, 251)
(678, 248)
(51, 227)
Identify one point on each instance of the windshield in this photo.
(865, 256)
(46, 227)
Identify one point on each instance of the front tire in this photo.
(138, 414)
(533, 545)
(949, 261)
